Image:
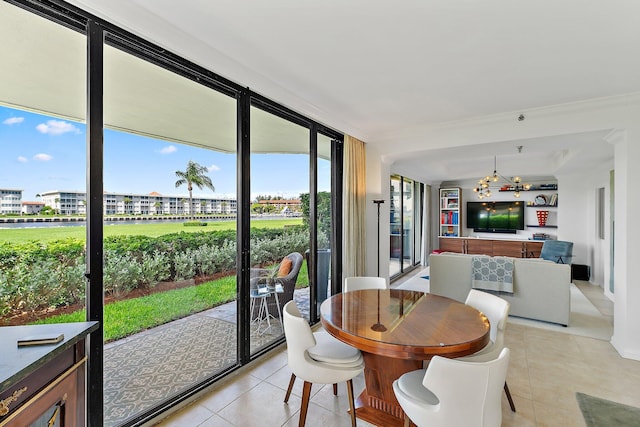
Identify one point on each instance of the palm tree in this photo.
(194, 175)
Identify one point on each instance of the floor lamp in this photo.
(378, 202)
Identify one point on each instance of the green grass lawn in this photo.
(127, 317)
(124, 318)
(21, 235)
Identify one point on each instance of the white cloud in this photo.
(168, 150)
(22, 159)
(213, 168)
(56, 127)
(13, 120)
(42, 157)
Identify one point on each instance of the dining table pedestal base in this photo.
(377, 404)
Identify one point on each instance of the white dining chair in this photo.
(497, 311)
(318, 358)
(358, 283)
(454, 393)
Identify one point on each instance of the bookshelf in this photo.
(450, 212)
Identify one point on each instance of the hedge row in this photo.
(37, 275)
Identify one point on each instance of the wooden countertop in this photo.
(16, 363)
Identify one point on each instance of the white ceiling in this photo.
(372, 67)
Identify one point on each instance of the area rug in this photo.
(605, 413)
(143, 371)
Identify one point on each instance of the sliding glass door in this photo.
(405, 224)
(160, 172)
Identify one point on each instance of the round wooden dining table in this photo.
(397, 330)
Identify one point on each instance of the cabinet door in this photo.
(480, 247)
(452, 245)
(508, 248)
(533, 249)
(56, 405)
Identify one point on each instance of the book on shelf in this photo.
(540, 236)
(42, 339)
(554, 200)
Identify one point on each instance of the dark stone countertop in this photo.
(16, 363)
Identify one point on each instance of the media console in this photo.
(492, 247)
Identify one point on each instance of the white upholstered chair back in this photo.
(364, 282)
(456, 393)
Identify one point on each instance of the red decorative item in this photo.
(542, 217)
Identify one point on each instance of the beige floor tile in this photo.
(216, 421)
(270, 366)
(318, 416)
(548, 415)
(261, 406)
(524, 415)
(222, 396)
(190, 416)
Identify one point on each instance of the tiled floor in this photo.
(546, 369)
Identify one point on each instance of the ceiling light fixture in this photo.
(515, 184)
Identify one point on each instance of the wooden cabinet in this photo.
(450, 212)
(452, 245)
(532, 249)
(510, 248)
(44, 384)
(478, 246)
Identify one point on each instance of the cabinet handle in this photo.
(5, 403)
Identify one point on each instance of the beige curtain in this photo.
(426, 226)
(354, 205)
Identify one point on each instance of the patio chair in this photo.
(288, 282)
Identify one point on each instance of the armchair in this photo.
(557, 251)
(288, 282)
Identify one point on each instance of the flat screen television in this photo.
(495, 217)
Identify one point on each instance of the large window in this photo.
(170, 173)
(169, 151)
(405, 224)
(279, 188)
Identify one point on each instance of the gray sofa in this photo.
(540, 288)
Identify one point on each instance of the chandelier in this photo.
(515, 184)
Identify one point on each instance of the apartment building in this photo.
(10, 201)
(75, 203)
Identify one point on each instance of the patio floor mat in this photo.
(146, 369)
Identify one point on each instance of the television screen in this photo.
(495, 217)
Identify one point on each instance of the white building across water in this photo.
(10, 201)
(75, 203)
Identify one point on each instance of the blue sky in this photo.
(40, 153)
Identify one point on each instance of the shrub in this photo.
(122, 273)
(185, 265)
(155, 268)
(34, 275)
(195, 224)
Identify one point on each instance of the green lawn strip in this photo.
(124, 318)
(21, 235)
(127, 317)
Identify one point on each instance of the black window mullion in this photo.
(243, 224)
(337, 148)
(94, 255)
(312, 263)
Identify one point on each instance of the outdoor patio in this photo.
(145, 369)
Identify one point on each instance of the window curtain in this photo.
(426, 226)
(354, 205)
